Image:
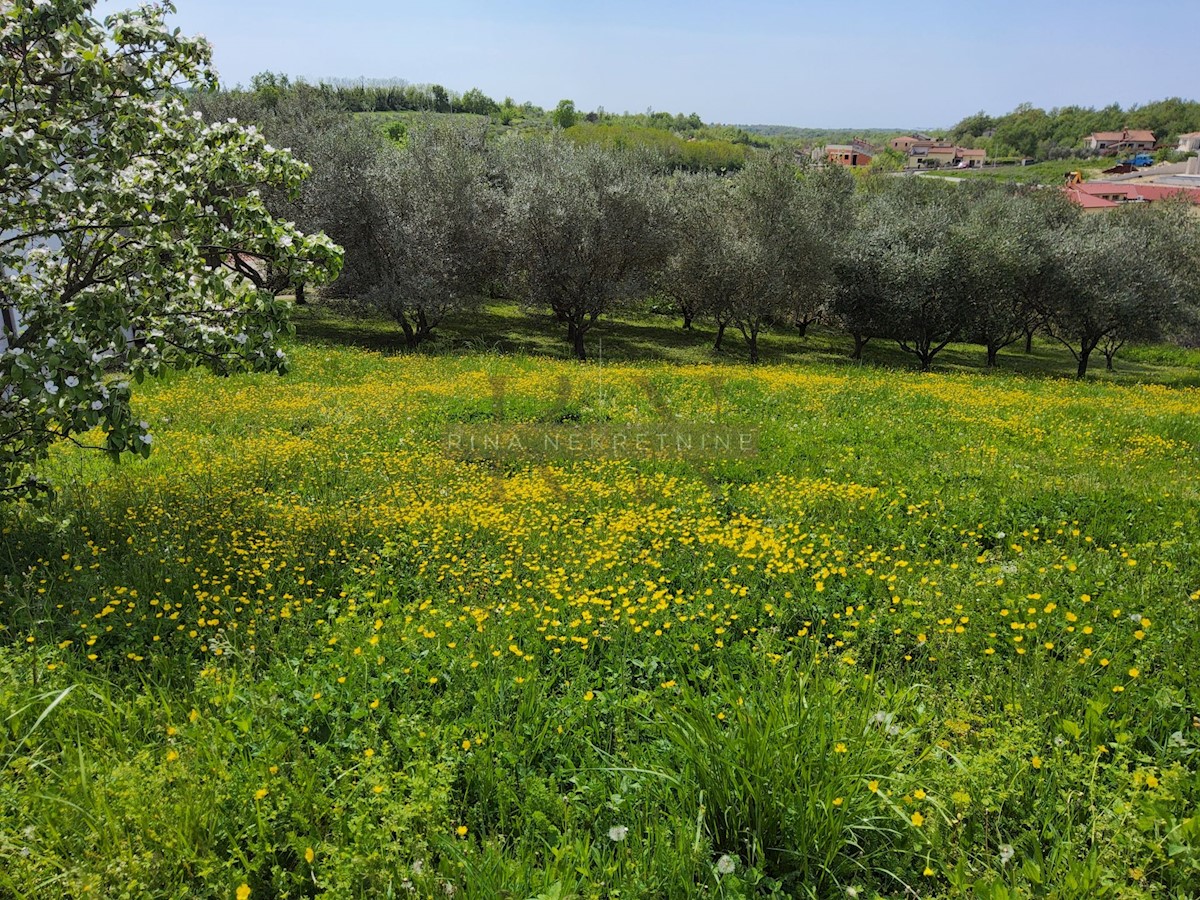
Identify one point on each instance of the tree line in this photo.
(365, 95)
(1062, 131)
(385, 95)
(583, 229)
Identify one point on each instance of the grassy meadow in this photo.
(1051, 172)
(940, 637)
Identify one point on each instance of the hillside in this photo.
(305, 650)
(1042, 134)
(817, 136)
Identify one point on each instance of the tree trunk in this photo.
(720, 335)
(860, 341)
(577, 333)
(300, 298)
(1084, 353)
(925, 355)
(752, 340)
(1111, 348)
(688, 315)
(992, 352)
(802, 327)
(410, 335)
(1028, 341)
(424, 329)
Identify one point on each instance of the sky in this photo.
(827, 64)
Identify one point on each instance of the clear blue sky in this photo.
(817, 64)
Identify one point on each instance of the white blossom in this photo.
(94, 337)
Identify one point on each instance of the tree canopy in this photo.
(1044, 134)
(133, 236)
(585, 229)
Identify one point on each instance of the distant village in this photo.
(1133, 178)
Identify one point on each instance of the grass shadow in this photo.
(504, 328)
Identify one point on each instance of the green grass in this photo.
(504, 328)
(938, 638)
(1051, 172)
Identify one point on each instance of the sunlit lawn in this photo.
(938, 638)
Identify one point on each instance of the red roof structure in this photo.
(1105, 195)
(1087, 201)
(1125, 137)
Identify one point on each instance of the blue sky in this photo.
(814, 64)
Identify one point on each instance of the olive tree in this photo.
(862, 270)
(794, 221)
(926, 268)
(1007, 260)
(827, 213)
(586, 229)
(752, 301)
(126, 228)
(432, 219)
(710, 268)
(1125, 275)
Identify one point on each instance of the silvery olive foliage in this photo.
(1125, 275)
(426, 227)
(127, 226)
(586, 229)
(715, 269)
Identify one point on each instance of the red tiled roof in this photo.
(1088, 195)
(1164, 191)
(1123, 136)
(1087, 201)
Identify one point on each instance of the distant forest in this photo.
(683, 142)
(815, 136)
(1062, 132)
(1027, 131)
(394, 95)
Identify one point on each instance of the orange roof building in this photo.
(1116, 141)
(1097, 195)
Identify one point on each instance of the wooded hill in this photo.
(1063, 131)
(693, 145)
(683, 142)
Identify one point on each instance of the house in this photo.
(1100, 195)
(969, 158)
(942, 154)
(1117, 141)
(856, 153)
(905, 143)
(1189, 143)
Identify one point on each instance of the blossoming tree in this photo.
(130, 231)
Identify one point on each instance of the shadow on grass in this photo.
(503, 328)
